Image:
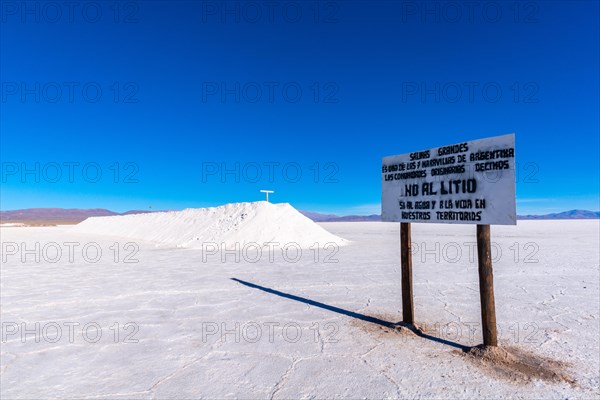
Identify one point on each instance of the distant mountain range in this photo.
(317, 217)
(75, 215)
(58, 215)
(571, 214)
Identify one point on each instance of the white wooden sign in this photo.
(465, 183)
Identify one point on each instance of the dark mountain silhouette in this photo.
(58, 215)
(571, 214)
(318, 217)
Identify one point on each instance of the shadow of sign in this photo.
(352, 314)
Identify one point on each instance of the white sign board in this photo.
(465, 183)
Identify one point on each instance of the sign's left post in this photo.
(408, 308)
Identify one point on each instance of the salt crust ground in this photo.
(547, 311)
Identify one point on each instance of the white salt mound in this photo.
(242, 223)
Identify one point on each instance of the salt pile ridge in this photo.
(243, 223)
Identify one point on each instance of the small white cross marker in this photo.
(267, 193)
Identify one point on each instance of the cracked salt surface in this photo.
(547, 308)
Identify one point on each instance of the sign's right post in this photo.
(486, 286)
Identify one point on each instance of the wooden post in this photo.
(486, 285)
(406, 260)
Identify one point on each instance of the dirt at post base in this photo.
(517, 365)
(507, 363)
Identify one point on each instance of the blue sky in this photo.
(199, 103)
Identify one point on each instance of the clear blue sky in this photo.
(189, 88)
